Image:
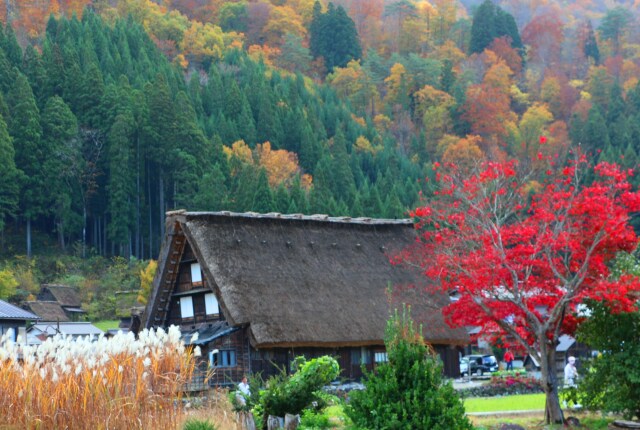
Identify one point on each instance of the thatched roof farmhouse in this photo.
(264, 288)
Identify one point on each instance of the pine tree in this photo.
(590, 47)
(373, 204)
(408, 391)
(212, 191)
(60, 137)
(7, 73)
(342, 177)
(11, 47)
(483, 27)
(282, 202)
(9, 175)
(90, 96)
(596, 135)
(24, 127)
(263, 197)
(333, 36)
(243, 189)
(392, 206)
(298, 197)
(489, 22)
(120, 183)
(447, 76)
(34, 70)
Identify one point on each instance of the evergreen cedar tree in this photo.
(333, 36)
(523, 247)
(490, 22)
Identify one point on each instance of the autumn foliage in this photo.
(522, 248)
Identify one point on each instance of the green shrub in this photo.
(610, 382)
(408, 392)
(292, 394)
(196, 424)
(314, 420)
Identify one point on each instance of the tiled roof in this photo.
(9, 311)
(67, 328)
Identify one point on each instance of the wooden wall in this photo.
(268, 361)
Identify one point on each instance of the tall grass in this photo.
(117, 383)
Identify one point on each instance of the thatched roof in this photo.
(47, 311)
(307, 280)
(66, 296)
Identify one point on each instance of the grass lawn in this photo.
(521, 402)
(535, 421)
(107, 324)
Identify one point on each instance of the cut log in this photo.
(291, 422)
(626, 424)
(275, 422)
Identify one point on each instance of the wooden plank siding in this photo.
(185, 287)
(268, 361)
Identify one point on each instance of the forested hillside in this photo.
(113, 112)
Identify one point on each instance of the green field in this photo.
(521, 402)
(107, 324)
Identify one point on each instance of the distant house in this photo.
(47, 311)
(39, 332)
(259, 290)
(66, 296)
(14, 319)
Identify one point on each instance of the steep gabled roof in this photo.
(65, 295)
(306, 280)
(11, 312)
(47, 311)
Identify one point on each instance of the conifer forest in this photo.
(114, 112)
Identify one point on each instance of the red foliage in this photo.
(502, 48)
(544, 37)
(523, 248)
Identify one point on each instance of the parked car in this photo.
(464, 365)
(480, 364)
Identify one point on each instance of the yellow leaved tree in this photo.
(146, 281)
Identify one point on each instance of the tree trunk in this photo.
(29, 238)
(149, 206)
(84, 230)
(60, 228)
(161, 205)
(138, 249)
(553, 412)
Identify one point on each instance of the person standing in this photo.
(508, 357)
(570, 373)
(243, 392)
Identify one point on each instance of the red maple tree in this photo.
(519, 249)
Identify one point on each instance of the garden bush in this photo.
(500, 386)
(292, 394)
(314, 420)
(196, 424)
(610, 382)
(409, 391)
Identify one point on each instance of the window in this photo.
(355, 356)
(225, 358)
(186, 307)
(196, 274)
(360, 356)
(380, 357)
(9, 329)
(211, 304)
